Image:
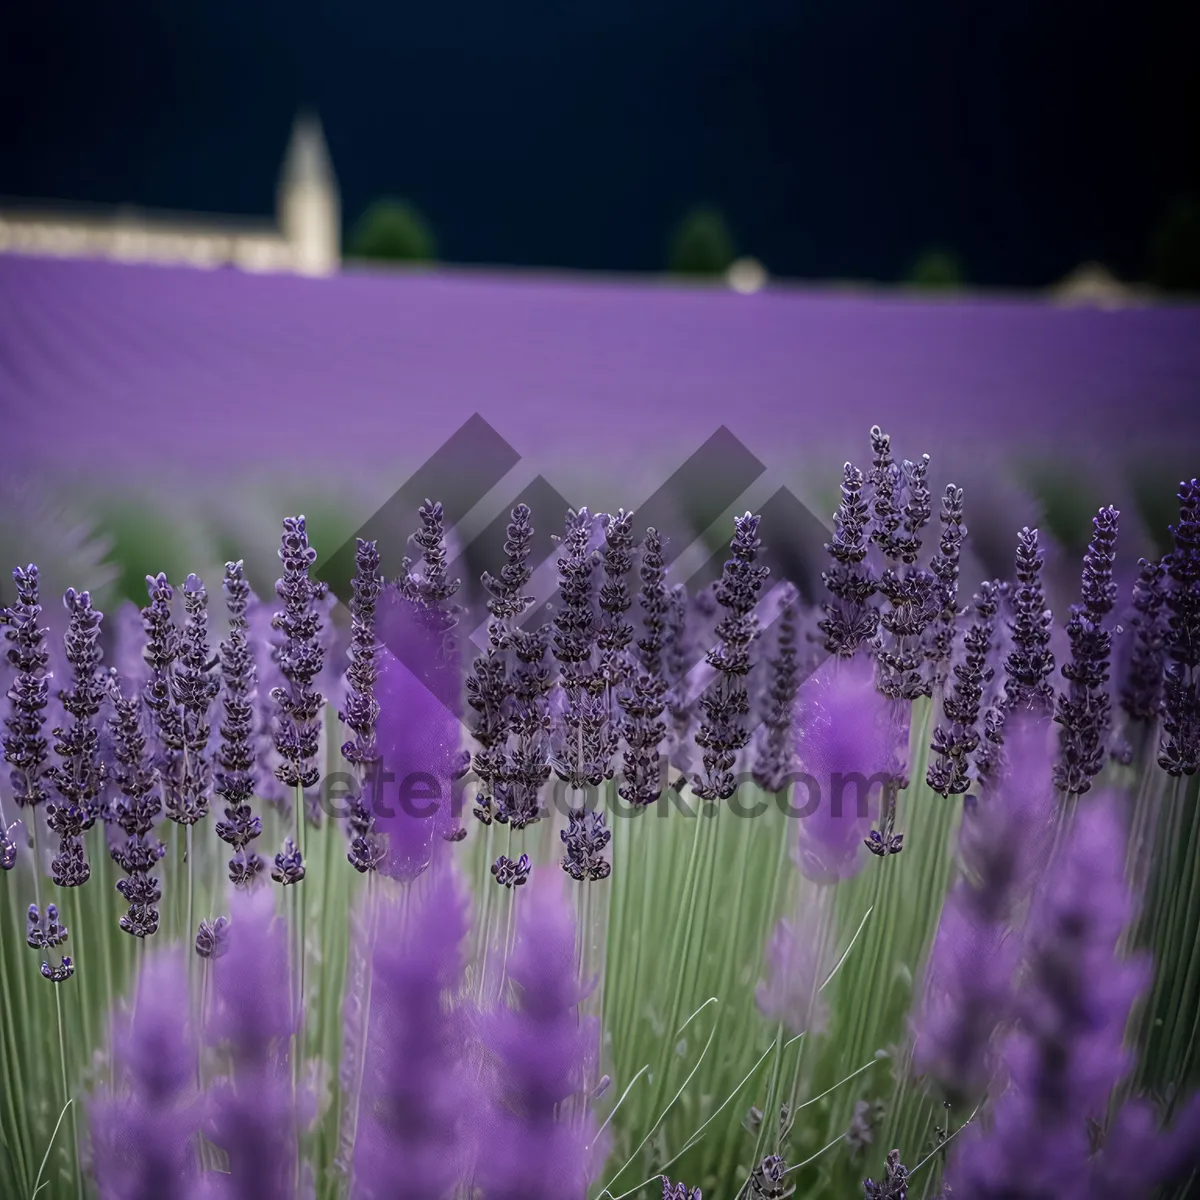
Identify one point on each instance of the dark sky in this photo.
(840, 137)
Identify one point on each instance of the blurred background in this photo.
(258, 258)
(934, 143)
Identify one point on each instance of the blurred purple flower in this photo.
(968, 992)
(251, 1113)
(796, 969)
(1066, 1055)
(846, 741)
(537, 1140)
(416, 736)
(413, 1128)
(144, 1130)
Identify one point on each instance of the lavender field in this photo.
(815, 818)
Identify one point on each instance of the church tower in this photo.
(308, 204)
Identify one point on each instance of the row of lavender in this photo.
(583, 694)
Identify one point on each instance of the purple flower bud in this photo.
(679, 1191)
(511, 874)
(289, 864)
(210, 938)
(585, 842)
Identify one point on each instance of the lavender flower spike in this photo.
(968, 980)
(134, 811)
(537, 1143)
(1084, 711)
(250, 1113)
(1180, 749)
(412, 1138)
(144, 1131)
(298, 730)
(723, 733)
(1141, 692)
(1067, 1055)
(237, 760)
(79, 777)
(1029, 667)
(362, 709)
(776, 757)
(846, 743)
(850, 620)
(25, 747)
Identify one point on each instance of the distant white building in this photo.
(1093, 285)
(304, 239)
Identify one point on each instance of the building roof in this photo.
(128, 366)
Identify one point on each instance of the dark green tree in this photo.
(936, 269)
(393, 231)
(702, 244)
(1177, 249)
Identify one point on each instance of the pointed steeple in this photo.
(309, 208)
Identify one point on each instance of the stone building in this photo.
(304, 238)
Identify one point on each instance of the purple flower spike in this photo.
(144, 1131)
(362, 710)
(846, 743)
(8, 847)
(968, 981)
(775, 764)
(133, 812)
(1141, 692)
(1066, 1055)
(235, 780)
(1084, 710)
(417, 736)
(250, 1113)
(850, 619)
(1030, 664)
(723, 733)
(25, 747)
(298, 728)
(1180, 748)
(537, 1142)
(412, 1136)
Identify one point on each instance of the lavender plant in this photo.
(554, 1000)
